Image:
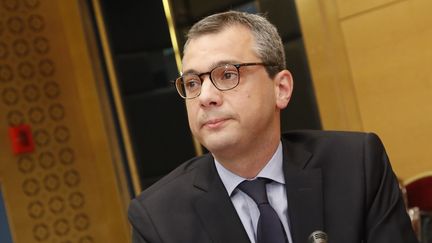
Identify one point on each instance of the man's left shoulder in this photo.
(318, 137)
(354, 148)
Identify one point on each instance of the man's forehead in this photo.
(207, 51)
(232, 30)
(210, 67)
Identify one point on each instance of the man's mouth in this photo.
(214, 123)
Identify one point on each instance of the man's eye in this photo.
(229, 75)
(192, 84)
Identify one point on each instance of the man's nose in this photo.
(210, 95)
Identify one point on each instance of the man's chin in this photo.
(218, 144)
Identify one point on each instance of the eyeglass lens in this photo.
(223, 77)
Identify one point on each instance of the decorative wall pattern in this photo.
(30, 94)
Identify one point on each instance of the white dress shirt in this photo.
(246, 208)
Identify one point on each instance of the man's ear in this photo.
(283, 84)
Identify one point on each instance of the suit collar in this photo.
(272, 170)
(304, 192)
(215, 208)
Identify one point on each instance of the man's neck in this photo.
(249, 164)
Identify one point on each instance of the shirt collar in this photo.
(273, 170)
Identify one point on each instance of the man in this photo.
(235, 85)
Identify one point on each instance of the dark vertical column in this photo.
(145, 64)
(302, 112)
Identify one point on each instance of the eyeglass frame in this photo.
(199, 75)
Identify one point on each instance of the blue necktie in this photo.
(270, 228)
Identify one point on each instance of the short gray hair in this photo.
(269, 47)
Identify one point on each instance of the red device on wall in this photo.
(22, 139)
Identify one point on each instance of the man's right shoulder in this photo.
(179, 179)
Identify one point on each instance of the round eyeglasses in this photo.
(223, 77)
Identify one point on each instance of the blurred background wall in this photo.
(89, 117)
(59, 174)
(371, 66)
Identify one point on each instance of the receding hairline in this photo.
(219, 30)
(218, 22)
(267, 42)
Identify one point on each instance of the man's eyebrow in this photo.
(189, 71)
(219, 63)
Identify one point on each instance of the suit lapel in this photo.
(215, 208)
(304, 193)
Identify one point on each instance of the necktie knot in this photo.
(256, 189)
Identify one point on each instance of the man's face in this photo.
(233, 121)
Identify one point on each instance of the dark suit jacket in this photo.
(338, 182)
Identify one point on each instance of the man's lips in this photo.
(214, 123)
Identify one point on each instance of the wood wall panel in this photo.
(347, 8)
(390, 59)
(67, 189)
(329, 65)
(387, 54)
